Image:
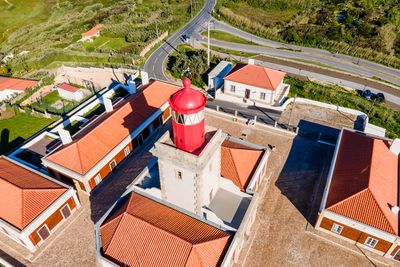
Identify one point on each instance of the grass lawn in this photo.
(232, 52)
(51, 98)
(17, 129)
(379, 113)
(224, 36)
(102, 41)
(21, 13)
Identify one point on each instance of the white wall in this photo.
(210, 178)
(255, 92)
(77, 96)
(8, 93)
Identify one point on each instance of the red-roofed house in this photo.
(93, 32)
(93, 153)
(70, 92)
(361, 198)
(33, 205)
(250, 84)
(140, 231)
(12, 86)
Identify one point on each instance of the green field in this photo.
(50, 30)
(224, 36)
(19, 13)
(16, 130)
(367, 29)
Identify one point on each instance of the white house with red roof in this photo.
(92, 33)
(70, 92)
(194, 205)
(361, 197)
(33, 205)
(252, 84)
(10, 87)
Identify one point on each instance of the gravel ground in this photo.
(316, 114)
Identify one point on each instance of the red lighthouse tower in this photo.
(188, 117)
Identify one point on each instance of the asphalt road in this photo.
(267, 116)
(334, 60)
(155, 64)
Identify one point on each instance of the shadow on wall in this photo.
(5, 144)
(304, 174)
(10, 259)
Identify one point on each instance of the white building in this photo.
(254, 85)
(9, 87)
(92, 33)
(70, 92)
(216, 76)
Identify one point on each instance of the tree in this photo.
(387, 37)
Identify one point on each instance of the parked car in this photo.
(367, 94)
(186, 38)
(379, 97)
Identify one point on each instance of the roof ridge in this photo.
(384, 215)
(269, 79)
(158, 227)
(235, 167)
(114, 232)
(11, 183)
(22, 209)
(345, 199)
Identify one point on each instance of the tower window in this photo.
(178, 175)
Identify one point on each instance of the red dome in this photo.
(187, 100)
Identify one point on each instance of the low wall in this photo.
(153, 43)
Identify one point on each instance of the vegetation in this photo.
(192, 63)
(14, 131)
(40, 28)
(364, 28)
(224, 36)
(232, 52)
(379, 113)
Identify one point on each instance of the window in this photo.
(233, 88)
(262, 96)
(44, 232)
(371, 242)
(127, 150)
(336, 228)
(65, 211)
(97, 178)
(113, 164)
(178, 175)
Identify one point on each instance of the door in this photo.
(247, 94)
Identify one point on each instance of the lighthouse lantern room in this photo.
(188, 117)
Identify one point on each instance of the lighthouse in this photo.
(188, 117)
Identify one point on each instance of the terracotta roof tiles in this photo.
(16, 84)
(238, 162)
(143, 232)
(68, 87)
(93, 30)
(256, 76)
(365, 181)
(24, 194)
(99, 138)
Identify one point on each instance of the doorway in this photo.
(247, 94)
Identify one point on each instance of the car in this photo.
(367, 94)
(186, 38)
(379, 97)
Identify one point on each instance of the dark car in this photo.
(186, 38)
(379, 97)
(367, 94)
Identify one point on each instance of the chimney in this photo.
(251, 61)
(131, 85)
(108, 104)
(395, 147)
(145, 78)
(65, 136)
(395, 210)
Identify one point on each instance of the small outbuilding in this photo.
(13, 86)
(216, 76)
(70, 92)
(93, 32)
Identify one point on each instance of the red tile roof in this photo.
(256, 76)
(98, 139)
(145, 233)
(365, 181)
(24, 195)
(68, 87)
(93, 30)
(15, 84)
(238, 163)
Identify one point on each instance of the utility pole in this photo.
(208, 44)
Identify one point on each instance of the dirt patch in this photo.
(293, 114)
